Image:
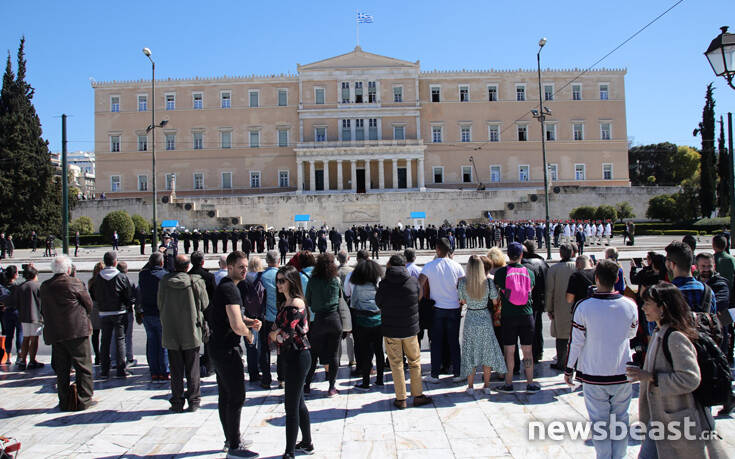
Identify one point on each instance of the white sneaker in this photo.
(458, 379)
(487, 390)
(470, 391)
(432, 380)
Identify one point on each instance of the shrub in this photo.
(716, 221)
(680, 232)
(583, 213)
(82, 224)
(120, 221)
(141, 224)
(624, 210)
(605, 212)
(662, 207)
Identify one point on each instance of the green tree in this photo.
(662, 207)
(141, 225)
(82, 224)
(624, 210)
(583, 213)
(707, 164)
(606, 212)
(120, 221)
(723, 173)
(31, 200)
(662, 164)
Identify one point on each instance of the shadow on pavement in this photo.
(100, 417)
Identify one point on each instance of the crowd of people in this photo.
(311, 309)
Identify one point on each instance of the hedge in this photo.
(120, 221)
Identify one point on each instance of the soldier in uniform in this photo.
(187, 241)
(349, 238)
(205, 238)
(196, 237)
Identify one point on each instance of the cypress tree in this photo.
(31, 198)
(707, 169)
(723, 170)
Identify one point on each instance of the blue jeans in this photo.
(602, 402)
(12, 323)
(445, 326)
(253, 354)
(155, 353)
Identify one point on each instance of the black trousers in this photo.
(113, 325)
(324, 336)
(297, 364)
(231, 387)
(78, 353)
(265, 356)
(184, 363)
(538, 335)
(370, 341)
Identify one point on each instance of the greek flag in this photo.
(364, 18)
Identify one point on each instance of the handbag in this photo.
(494, 310)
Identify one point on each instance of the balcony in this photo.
(359, 143)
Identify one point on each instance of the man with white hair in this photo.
(66, 305)
(222, 271)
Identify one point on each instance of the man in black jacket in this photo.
(197, 267)
(111, 291)
(398, 299)
(147, 313)
(536, 264)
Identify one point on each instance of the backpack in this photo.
(517, 285)
(253, 298)
(716, 383)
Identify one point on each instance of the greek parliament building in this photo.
(358, 123)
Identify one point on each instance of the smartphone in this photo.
(594, 259)
(638, 261)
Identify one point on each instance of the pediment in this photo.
(358, 58)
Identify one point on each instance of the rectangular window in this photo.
(254, 179)
(522, 132)
(466, 174)
(283, 137)
(283, 179)
(372, 92)
(464, 93)
(319, 96)
(523, 175)
(520, 92)
(493, 133)
(399, 133)
(114, 143)
(495, 174)
(282, 97)
(576, 92)
(553, 172)
(605, 131)
(254, 97)
(142, 183)
(170, 181)
(254, 139)
(360, 129)
(607, 172)
(436, 94)
(320, 134)
(548, 92)
(198, 181)
(170, 101)
(492, 93)
(142, 103)
(142, 143)
(198, 100)
(345, 92)
(115, 183)
(373, 129)
(198, 140)
(579, 172)
(225, 99)
(604, 90)
(115, 103)
(436, 134)
(465, 134)
(346, 130)
(225, 138)
(227, 180)
(438, 175)
(170, 141)
(550, 131)
(397, 93)
(578, 129)
(358, 92)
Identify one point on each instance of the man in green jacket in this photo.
(182, 299)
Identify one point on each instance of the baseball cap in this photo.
(515, 250)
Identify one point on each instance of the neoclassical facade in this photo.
(357, 123)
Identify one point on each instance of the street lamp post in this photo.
(541, 116)
(721, 57)
(152, 128)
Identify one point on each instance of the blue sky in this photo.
(69, 42)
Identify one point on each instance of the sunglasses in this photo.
(280, 280)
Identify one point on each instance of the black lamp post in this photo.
(721, 57)
(540, 115)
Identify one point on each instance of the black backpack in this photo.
(716, 383)
(253, 297)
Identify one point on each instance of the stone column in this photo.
(353, 174)
(312, 177)
(395, 173)
(381, 175)
(420, 174)
(326, 175)
(299, 176)
(409, 179)
(339, 174)
(367, 175)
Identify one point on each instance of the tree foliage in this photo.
(120, 221)
(583, 213)
(606, 212)
(82, 224)
(30, 197)
(624, 211)
(141, 224)
(723, 173)
(707, 165)
(662, 207)
(662, 164)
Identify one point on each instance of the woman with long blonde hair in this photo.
(479, 345)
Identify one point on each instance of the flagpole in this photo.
(357, 28)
